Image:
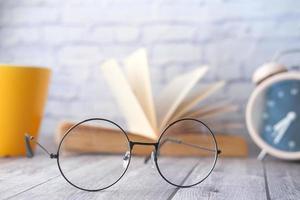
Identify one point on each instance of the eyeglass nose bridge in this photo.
(151, 156)
(132, 143)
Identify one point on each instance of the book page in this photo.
(128, 103)
(174, 93)
(138, 76)
(197, 95)
(211, 110)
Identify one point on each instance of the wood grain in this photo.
(283, 179)
(231, 179)
(39, 178)
(142, 181)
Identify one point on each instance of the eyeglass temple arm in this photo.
(184, 143)
(29, 152)
(192, 145)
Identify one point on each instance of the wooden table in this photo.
(39, 178)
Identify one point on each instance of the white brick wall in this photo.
(73, 37)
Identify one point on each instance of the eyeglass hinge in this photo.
(219, 151)
(52, 156)
(131, 144)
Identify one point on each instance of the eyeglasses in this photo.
(87, 162)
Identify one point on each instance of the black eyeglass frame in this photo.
(131, 144)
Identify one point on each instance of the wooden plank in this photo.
(231, 179)
(140, 182)
(18, 172)
(283, 179)
(61, 189)
(39, 178)
(24, 173)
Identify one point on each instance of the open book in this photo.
(146, 117)
(177, 100)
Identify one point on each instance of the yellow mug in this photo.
(23, 94)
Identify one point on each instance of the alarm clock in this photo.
(273, 111)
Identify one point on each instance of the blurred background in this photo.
(74, 37)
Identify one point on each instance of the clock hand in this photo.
(279, 130)
(281, 127)
(280, 134)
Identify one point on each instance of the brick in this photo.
(214, 32)
(62, 91)
(96, 89)
(183, 2)
(281, 8)
(31, 55)
(207, 32)
(239, 90)
(170, 53)
(57, 109)
(78, 73)
(154, 33)
(268, 29)
(118, 52)
(240, 10)
(264, 51)
(59, 34)
(228, 56)
(17, 36)
(112, 34)
(29, 15)
(18, 3)
(108, 2)
(287, 29)
(86, 15)
(91, 3)
(5, 56)
(183, 14)
(88, 109)
(79, 55)
(262, 29)
(127, 34)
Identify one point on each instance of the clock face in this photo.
(276, 115)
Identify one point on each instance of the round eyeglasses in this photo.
(92, 163)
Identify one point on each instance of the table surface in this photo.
(233, 178)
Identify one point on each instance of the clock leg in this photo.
(262, 155)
